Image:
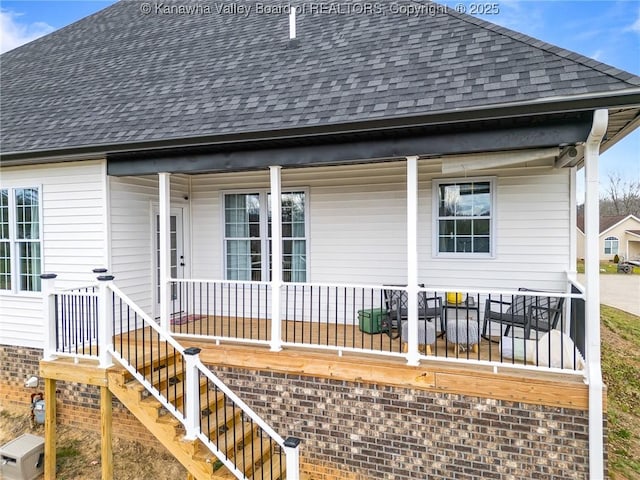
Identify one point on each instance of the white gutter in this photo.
(592, 307)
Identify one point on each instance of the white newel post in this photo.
(192, 392)
(276, 258)
(292, 455)
(49, 314)
(164, 187)
(412, 260)
(105, 321)
(592, 302)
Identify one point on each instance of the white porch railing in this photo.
(110, 325)
(516, 328)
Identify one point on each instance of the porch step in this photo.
(240, 440)
(154, 367)
(270, 469)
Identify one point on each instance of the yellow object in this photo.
(455, 297)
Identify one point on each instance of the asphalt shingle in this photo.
(123, 76)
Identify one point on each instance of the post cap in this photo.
(106, 278)
(292, 442)
(48, 276)
(100, 270)
(192, 351)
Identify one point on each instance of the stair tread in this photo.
(248, 457)
(148, 362)
(238, 440)
(224, 415)
(159, 377)
(272, 468)
(241, 431)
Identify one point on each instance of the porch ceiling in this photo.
(392, 142)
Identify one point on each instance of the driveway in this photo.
(619, 291)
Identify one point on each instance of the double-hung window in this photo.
(247, 242)
(464, 213)
(20, 244)
(611, 246)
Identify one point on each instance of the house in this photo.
(272, 203)
(619, 235)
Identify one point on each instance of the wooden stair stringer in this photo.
(164, 431)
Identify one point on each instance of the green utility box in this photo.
(371, 319)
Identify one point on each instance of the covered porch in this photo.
(469, 281)
(306, 240)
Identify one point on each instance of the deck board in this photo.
(322, 335)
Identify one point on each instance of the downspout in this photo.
(592, 307)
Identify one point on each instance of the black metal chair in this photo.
(524, 311)
(396, 303)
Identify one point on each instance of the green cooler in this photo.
(371, 319)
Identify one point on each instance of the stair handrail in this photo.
(238, 401)
(147, 319)
(197, 363)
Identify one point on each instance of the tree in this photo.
(621, 196)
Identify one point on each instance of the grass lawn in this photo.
(606, 267)
(621, 370)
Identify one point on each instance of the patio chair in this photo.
(429, 308)
(524, 311)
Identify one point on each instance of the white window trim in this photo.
(263, 193)
(609, 238)
(435, 242)
(15, 278)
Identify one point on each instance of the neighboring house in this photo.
(619, 235)
(406, 156)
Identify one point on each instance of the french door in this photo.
(177, 259)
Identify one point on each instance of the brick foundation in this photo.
(358, 431)
(78, 405)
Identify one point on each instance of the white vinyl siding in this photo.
(532, 238)
(357, 225)
(73, 238)
(133, 201)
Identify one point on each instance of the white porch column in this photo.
(412, 260)
(105, 321)
(276, 257)
(192, 393)
(164, 188)
(592, 306)
(49, 315)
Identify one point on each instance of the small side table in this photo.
(462, 324)
(463, 333)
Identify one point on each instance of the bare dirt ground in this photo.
(78, 452)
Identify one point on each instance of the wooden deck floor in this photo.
(359, 362)
(323, 335)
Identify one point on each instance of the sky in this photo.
(608, 31)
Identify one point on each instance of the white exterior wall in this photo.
(133, 200)
(357, 226)
(74, 238)
(532, 234)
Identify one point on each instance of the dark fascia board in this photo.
(353, 151)
(625, 98)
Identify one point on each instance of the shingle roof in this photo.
(606, 221)
(120, 76)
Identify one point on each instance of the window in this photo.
(611, 246)
(464, 221)
(20, 248)
(247, 242)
